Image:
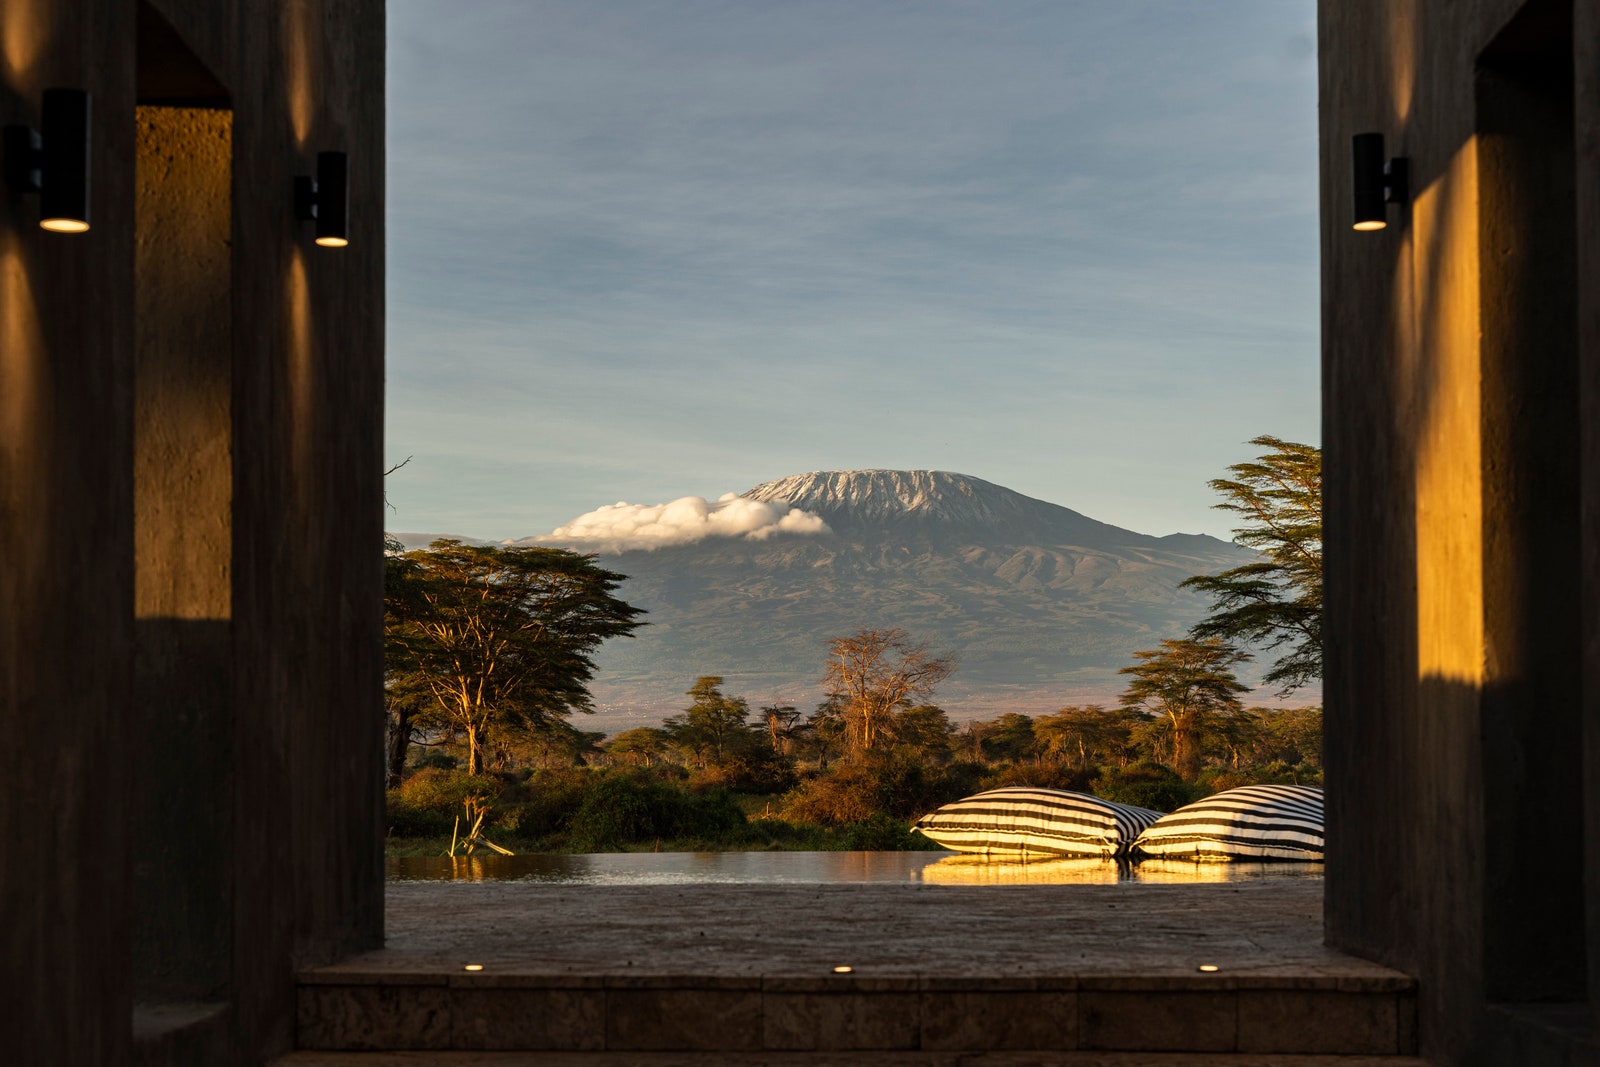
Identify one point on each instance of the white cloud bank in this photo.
(622, 526)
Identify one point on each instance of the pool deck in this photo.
(941, 974)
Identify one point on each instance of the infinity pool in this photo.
(819, 868)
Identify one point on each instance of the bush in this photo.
(1146, 785)
(546, 801)
(440, 790)
(896, 788)
(882, 833)
(405, 819)
(1216, 779)
(1042, 775)
(625, 809)
(759, 771)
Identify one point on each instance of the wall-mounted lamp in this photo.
(53, 161)
(1377, 182)
(326, 199)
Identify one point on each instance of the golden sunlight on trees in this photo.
(879, 672)
(488, 640)
(1191, 686)
(1274, 602)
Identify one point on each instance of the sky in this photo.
(639, 251)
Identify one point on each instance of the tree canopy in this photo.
(1190, 684)
(1276, 601)
(499, 638)
(878, 672)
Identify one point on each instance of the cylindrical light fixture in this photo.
(1366, 154)
(54, 161)
(333, 199)
(326, 199)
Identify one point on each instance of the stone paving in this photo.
(1268, 928)
(937, 973)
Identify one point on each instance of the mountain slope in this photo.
(1042, 605)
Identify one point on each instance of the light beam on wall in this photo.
(53, 160)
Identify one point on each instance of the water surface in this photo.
(821, 868)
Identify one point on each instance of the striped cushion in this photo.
(1025, 819)
(1251, 822)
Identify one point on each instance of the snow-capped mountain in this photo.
(1041, 604)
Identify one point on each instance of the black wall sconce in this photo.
(326, 199)
(1378, 183)
(53, 161)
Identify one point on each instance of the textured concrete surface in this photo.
(747, 971)
(1254, 929)
(1461, 419)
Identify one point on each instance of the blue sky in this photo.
(640, 251)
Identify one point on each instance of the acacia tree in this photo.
(1190, 684)
(714, 725)
(500, 637)
(781, 719)
(878, 672)
(1082, 736)
(1275, 601)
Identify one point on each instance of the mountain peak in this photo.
(934, 500)
(867, 494)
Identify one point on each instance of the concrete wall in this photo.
(1459, 407)
(190, 524)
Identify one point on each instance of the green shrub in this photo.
(881, 833)
(546, 801)
(1146, 785)
(405, 819)
(1042, 775)
(625, 809)
(892, 787)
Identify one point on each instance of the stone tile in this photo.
(962, 984)
(561, 1019)
(840, 1020)
(1196, 1021)
(999, 1020)
(1296, 1020)
(683, 1019)
(842, 983)
(487, 979)
(1158, 982)
(751, 982)
(372, 1017)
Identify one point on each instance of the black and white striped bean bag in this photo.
(1025, 819)
(1282, 822)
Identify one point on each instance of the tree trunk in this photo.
(474, 750)
(1186, 747)
(399, 743)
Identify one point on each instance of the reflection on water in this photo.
(768, 868)
(971, 869)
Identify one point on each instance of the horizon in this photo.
(549, 536)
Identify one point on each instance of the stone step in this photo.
(813, 1019)
(1016, 1058)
